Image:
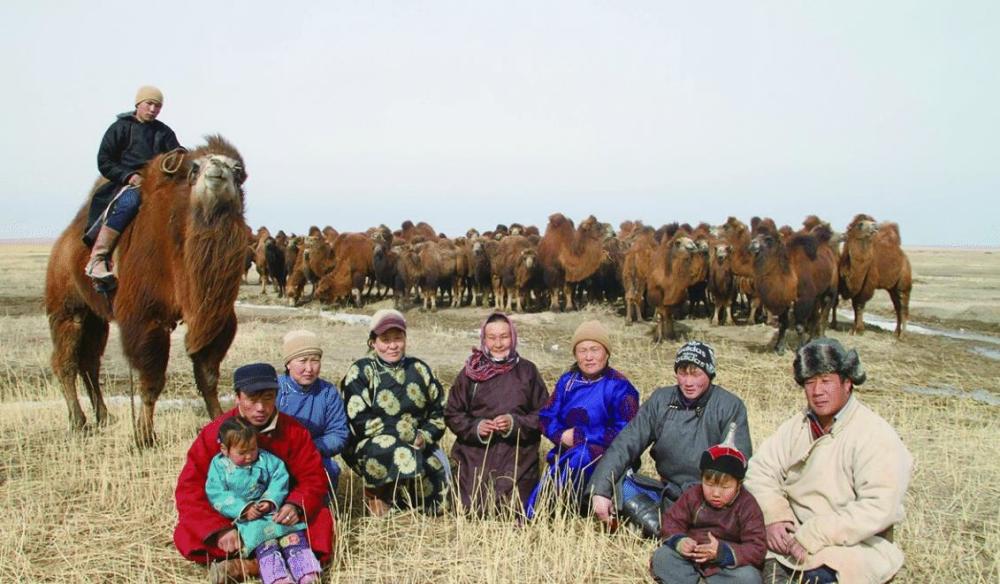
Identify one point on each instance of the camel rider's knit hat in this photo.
(591, 330)
(148, 93)
(698, 354)
(725, 457)
(299, 344)
(827, 356)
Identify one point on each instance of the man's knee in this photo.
(124, 209)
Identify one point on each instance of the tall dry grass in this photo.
(91, 508)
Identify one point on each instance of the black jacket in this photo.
(127, 146)
(678, 436)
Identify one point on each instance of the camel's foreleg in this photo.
(779, 342)
(206, 366)
(859, 316)
(568, 291)
(147, 347)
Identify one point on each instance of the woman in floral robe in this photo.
(395, 408)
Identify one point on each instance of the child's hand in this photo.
(252, 512)
(686, 547)
(264, 507)
(706, 552)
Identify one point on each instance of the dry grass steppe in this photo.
(91, 508)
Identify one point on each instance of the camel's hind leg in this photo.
(147, 347)
(901, 303)
(67, 337)
(206, 366)
(95, 333)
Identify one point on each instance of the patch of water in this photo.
(890, 325)
(274, 307)
(347, 318)
(986, 352)
(979, 395)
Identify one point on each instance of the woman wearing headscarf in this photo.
(493, 410)
(591, 404)
(395, 408)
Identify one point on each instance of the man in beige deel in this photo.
(831, 480)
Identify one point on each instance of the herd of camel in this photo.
(796, 276)
(185, 255)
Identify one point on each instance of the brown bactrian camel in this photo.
(569, 256)
(797, 277)
(260, 258)
(351, 266)
(181, 259)
(721, 284)
(735, 233)
(673, 270)
(635, 271)
(873, 259)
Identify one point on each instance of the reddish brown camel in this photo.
(874, 259)
(181, 259)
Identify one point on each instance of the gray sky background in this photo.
(468, 114)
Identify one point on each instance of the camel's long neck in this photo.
(772, 262)
(859, 260)
(213, 262)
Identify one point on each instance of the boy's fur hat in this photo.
(827, 356)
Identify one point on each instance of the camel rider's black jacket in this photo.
(127, 146)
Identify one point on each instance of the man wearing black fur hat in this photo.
(831, 480)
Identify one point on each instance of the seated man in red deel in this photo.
(202, 534)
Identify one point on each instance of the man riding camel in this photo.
(134, 139)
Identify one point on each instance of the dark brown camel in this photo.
(797, 277)
(181, 258)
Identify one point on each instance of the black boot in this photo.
(644, 512)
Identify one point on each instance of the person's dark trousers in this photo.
(124, 209)
(669, 567)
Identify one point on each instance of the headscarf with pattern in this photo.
(481, 365)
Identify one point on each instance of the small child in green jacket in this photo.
(247, 485)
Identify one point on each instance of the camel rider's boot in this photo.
(99, 269)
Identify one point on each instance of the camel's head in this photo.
(863, 226)
(528, 258)
(472, 233)
(217, 183)
(722, 252)
(309, 245)
(703, 245)
(685, 244)
(378, 250)
(765, 240)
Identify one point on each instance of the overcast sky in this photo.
(468, 114)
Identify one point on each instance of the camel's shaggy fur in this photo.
(182, 258)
